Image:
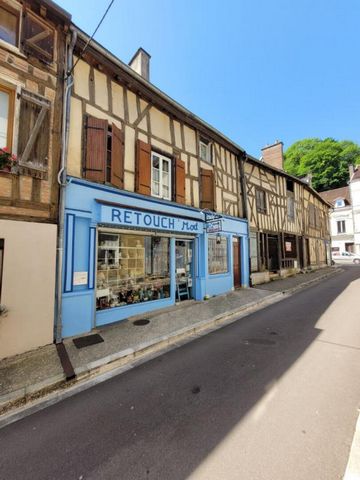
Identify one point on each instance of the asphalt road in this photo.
(272, 396)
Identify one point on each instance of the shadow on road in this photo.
(162, 419)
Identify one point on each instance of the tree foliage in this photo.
(327, 160)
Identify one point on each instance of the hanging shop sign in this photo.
(214, 226)
(127, 217)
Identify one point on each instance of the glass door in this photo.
(184, 269)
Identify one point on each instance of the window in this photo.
(38, 38)
(6, 117)
(260, 200)
(291, 206)
(9, 26)
(341, 226)
(217, 254)
(160, 176)
(205, 150)
(340, 202)
(131, 269)
(289, 185)
(312, 215)
(1, 262)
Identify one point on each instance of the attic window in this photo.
(38, 38)
(340, 202)
(205, 150)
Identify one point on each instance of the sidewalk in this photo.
(30, 376)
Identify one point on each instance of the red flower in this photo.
(5, 149)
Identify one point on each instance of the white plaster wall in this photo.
(28, 286)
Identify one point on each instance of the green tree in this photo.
(327, 160)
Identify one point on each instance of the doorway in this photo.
(273, 247)
(237, 262)
(184, 266)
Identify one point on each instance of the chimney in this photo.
(351, 170)
(140, 62)
(273, 155)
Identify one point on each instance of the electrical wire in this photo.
(90, 39)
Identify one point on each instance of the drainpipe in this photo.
(242, 160)
(68, 83)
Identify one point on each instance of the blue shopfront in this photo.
(128, 254)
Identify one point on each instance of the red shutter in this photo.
(179, 181)
(117, 157)
(96, 140)
(207, 189)
(143, 168)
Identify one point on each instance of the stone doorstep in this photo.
(142, 352)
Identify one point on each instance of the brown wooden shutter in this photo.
(143, 168)
(207, 189)
(34, 130)
(179, 181)
(117, 157)
(38, 37)
(96, 142)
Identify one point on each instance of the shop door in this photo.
(184, 269)
(273, 247)
(236, 262)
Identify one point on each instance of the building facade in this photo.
(355, 200)
(154, 211)
(288, 220)
(32, 39)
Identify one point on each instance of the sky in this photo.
(257, 70)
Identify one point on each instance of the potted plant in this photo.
(7, 160)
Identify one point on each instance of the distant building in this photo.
(355, 200)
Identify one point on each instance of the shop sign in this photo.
(214, 226)
(127, 217)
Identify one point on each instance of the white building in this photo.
(355, 200)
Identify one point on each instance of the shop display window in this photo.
(131, 269)
(218, 254)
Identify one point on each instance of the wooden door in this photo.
(236, 262)
(273, 248)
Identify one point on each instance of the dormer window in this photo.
(340, 202)
(205, 150)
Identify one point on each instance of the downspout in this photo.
(68, 83)
(242, 160)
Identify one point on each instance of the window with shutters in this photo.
(104, 152)
(38, 38)
(160, 176)
(9, 25)
(205, 150)
(34, 131)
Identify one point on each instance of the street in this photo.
(274, 395)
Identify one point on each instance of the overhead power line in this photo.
(92, 36)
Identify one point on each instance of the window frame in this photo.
(341, 200)
(11, 115)
(222, 238)
(340, 223)
(162, 159)
(17, 13)
(261, 208)
(207, 144)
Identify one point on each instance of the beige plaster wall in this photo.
(74, 150)
(28, 286)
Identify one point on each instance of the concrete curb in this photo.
(28, 400)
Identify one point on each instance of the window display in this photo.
(218, 254)
(131, 269)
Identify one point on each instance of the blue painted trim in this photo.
(69, 247)
(92, 246)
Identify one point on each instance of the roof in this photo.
(331, 196)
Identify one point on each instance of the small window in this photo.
(289, 185)
(217, 254)
(261, 201)
(340, 202)
(38, 38)
(341, 226)
(205, 150)
(290, 206)
(1, 262)
(160, 176)
(9, 26)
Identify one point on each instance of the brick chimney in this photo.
(273, 155)
(140, 62)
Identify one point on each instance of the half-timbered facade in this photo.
(154, 205)
(288, 220)
(32, 39)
